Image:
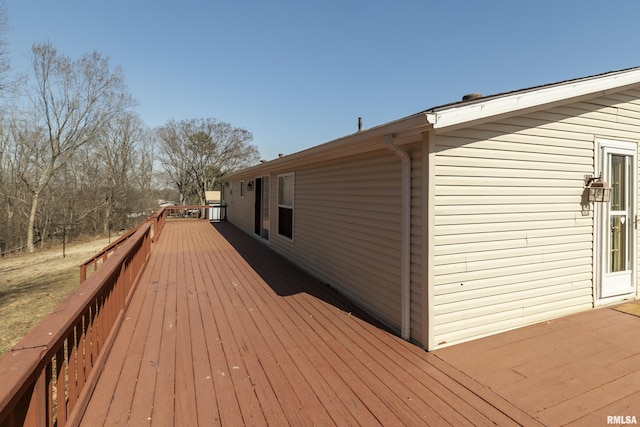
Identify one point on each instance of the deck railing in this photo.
(105, 253)
(217, 212)
(48, 377)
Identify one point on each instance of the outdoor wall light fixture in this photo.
(250, 186)
(599, 190)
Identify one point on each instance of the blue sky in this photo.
(300, 73)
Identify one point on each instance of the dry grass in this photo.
(32, 285)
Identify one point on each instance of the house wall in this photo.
(240, 208)
(347, 216)
(513, 244)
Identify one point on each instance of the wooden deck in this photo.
(223, 331)
(577, 370)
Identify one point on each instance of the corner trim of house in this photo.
(428, 221)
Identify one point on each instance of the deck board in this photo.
(576, 370)
(163, 405)
(223, 331)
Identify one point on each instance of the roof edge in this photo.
(360, 142)
(487, 107)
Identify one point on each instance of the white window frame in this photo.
(286, 206)
(242, 190)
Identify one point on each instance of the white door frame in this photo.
(611, 287)
(262, 202)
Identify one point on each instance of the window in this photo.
(285, 205)
(241, 188)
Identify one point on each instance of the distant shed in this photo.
(212, 197)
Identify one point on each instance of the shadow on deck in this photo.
(222, 331)
(286, 281)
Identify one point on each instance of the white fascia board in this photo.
(510, 103)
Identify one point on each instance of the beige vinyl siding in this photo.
(513, 242)
(347, 230)
(242, 208)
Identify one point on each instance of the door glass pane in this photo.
(630, 213)
(618, 255)
(618, 193)
(620, 237)
(265, 207)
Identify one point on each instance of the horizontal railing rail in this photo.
(48, 377)
(216, 212)
(107, 251)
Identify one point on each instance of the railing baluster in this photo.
(72, 375)
(60, 401)
(48, 384)
(95, 332)
(82, 352)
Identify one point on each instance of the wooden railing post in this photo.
(83, 273)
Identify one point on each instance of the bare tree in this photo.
(8, 83)
(144, 175)
(12, 200)
(142, 197)
(175, 158)
(117, 151)
(71, 101)
(27, 162)
(8, 201)
(194, 153)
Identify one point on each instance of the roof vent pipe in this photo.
(471, 96)
(405, 238)
(359, 124)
